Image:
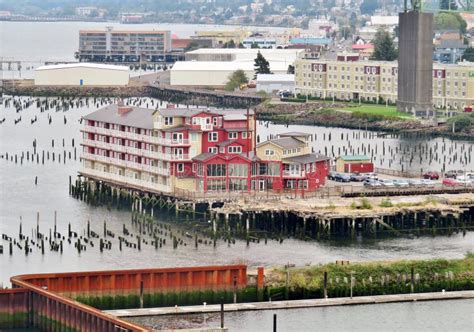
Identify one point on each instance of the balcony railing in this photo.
(135, 151)
(206, 127)
(127, 164)
(148, 185)
(295, 174)
(137, 137)
(177, 156)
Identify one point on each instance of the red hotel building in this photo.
(197, 150)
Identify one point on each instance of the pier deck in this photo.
(294, 304)
(344, 208)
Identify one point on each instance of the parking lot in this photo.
(378, 180)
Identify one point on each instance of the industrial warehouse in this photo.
(212, 67)
(82, 74)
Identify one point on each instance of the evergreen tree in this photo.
(262, 66)
(229, 44)
(236, 79)
(469, 54)
(254, 45)
(384, 48)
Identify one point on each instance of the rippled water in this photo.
(453, 315)
(19, 197)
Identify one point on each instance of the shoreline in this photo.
(293, 304)
(311, 114)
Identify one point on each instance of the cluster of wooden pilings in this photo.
(213, 222)
(204, 97)
(256, 225)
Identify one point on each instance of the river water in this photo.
(455, 315)
(21, 199)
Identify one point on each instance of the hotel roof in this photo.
(354, 157)
(285, 142)
(294, 134)
(306, 159)
(137, 117)
(194, 111)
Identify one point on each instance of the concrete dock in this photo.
(294, 304)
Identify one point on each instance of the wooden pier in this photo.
(256, 218)
(294, 304)
(347, 217)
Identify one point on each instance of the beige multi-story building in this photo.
(220, 37)
(123, 45)
(347, 78)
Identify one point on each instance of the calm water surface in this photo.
(21, 198)
(455, 315)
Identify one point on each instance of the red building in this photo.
(197, 150)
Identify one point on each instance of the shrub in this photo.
(386, 202)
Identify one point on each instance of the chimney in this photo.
(122, 109)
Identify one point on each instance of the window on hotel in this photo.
(238, 170)
(212, 136)
(233, 135)
(273, 169)
(168, 120)
(238, 185)
(214, 121)
(212, 150)
(177, 137)
(180, 168)
(216, 170)
(244, 135)
(269, 152)
(235, 149)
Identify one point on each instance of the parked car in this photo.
(386, 183)
(372, 183)
(401, 183)
(332, 175)
(415, 182)
(453, 174)
(428, 182)
(372, 176)
(431, 175)
(451, 182)
(464, 180)
(342, 177)
(357, 177)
